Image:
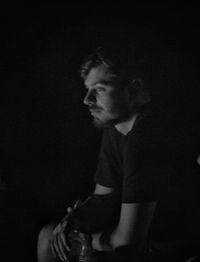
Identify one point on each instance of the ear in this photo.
(135, 86)
(138, 92)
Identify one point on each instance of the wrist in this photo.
(105, 241)
(100, 242)
(95, 242)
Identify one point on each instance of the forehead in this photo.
(98, 74)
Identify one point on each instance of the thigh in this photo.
(45, 233)
(44, 252)
(109, 256)
(113, 256)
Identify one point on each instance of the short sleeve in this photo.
(144, 167)
(108, 169)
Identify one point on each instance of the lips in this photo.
(94, 111)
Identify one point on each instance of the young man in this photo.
(122, 216)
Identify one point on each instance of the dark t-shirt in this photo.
(139, 166)
(135, 163)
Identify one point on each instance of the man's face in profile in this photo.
(107, 102)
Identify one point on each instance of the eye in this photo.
(101, 89)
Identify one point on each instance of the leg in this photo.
(112, 256)
(105, 256)
(125, 256)
(44, 253)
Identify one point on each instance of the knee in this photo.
(44, 238)
(45, 233)
(105, 256)
(94, 257)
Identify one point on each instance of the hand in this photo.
(100, 242)
(96, 241)
(59, 246)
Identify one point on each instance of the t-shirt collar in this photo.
(126, 126)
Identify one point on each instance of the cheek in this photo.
(112, 102)
(118, 101)
(105, 100)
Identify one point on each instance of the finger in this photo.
(64, 242)
(77, 203)
(64, 225)
(52, 242)
(61, 246)
(56, 248)
(53, 249)
(57, 229)
(69, 210)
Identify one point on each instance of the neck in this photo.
(126, 126)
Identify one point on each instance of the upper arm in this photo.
(134, 224)
(102, 190)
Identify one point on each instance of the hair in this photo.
(127, 62)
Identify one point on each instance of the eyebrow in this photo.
(103, 82)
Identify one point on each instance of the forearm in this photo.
(131, 229)
(108, 240)
(96, 214)
(112, 242)
(101, 241)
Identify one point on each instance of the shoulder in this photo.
(150, 126)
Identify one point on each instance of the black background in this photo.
(48, 145)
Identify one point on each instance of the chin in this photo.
(104, 124)
(99, 124)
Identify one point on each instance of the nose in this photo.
(90, 98)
